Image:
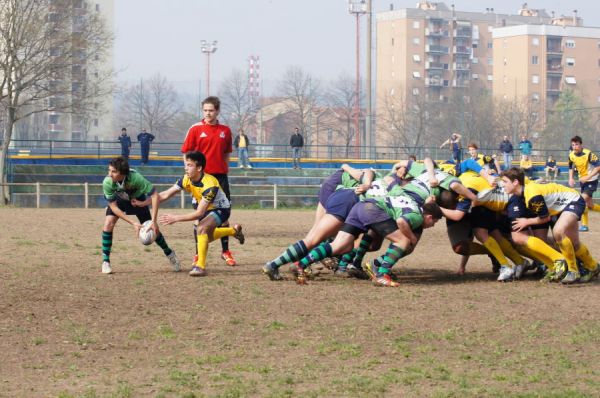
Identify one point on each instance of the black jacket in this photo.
(506, 147)
(236, 141)
(296, 141)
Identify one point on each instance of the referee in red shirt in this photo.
(214, 141)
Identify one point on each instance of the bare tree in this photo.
(341, 97)
(152, 103)
(300, 90)
(237, 109)
(517, 117)
(43, 47)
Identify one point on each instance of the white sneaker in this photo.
(174, 261)
(241, 166)
(506, 273)
(520, 269)
(249, 166)
(106, 269)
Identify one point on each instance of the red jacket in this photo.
(214, 141)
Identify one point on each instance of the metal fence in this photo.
(62, 148)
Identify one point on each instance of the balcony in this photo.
(463, 32)
(436, 49)
(436, 32)
(462, 50)
(461, 66)
(434, 82)
(554, 69)
(460, 83)
(554, 46)
(436, 65)
(553, 89)
(56, 128)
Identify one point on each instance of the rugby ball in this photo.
(147, 235)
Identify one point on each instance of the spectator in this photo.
(455, 147)
(506, 147)
(296, 142)
(525, 147)
(145, 139)
(125, 141)
(241, 143)
(551, 167)
(527, 166)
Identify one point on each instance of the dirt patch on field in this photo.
(67, 330)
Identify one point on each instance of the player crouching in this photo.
(212, 211)
(128, 192)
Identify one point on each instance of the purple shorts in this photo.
(364, 214)
(328, 186)
(340, 203)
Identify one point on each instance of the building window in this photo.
(416, 24)
(474, 45)
(570, 43)
(416, 75)
(97, 7)
(504, 43)
(490, 61)
(570, 61)
(415, 91)
(505, 79)
(95, 122)
(570, 80)
(416, 58)
(598, 99)
(505, 61)
(490, 44)
(490, 28)
(475, 60)
(416, 41)
(535, 41)
(534, 60)
(535, 97)
(392, 42)
(392, 92)
(490, 78)
(475, 76)
(535, 79)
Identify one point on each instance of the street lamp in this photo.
(357, 8)
(208, 48)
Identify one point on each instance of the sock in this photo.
(293, 253)
(196, 238)
(347, 259)
(510, 252)
(541, 248)
(106, 245)
(494, 248)
(225, 243)
(585, 218)
(389, 258)
(219, 233)
(362, 249)
(320, 252)
(596, 207)
(475, 248)
(202, 250)
(584, 255)
(567, 249)
(524, 250)
(160, 240)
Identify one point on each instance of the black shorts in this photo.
(482, 217)
(589, 187)
(142, 213)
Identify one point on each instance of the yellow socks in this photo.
(585, 218)
(202, 250)
(494, 248)
(595, 208)
(541, 248)
(567, 249)
(218, 233)
(510, 252)
(584, 255)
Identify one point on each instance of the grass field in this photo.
(66, 330)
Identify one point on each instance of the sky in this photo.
(164, 36)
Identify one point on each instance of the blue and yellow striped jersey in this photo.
(548, 199)
(584, 162)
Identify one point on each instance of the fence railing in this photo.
(86, 195)
(98, 149)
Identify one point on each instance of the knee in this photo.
(109, 225)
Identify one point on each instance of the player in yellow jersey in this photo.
(545, 201)
(588, 167)
(212, 211)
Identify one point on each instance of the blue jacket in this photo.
(525, 147)
(506, 147)
(145, 139)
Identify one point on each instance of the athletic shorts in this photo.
(328, 186)
(577, 207)
(589, 187)
(482, 217)
(220, 215)
(367, 215)
(460, 231)
(142, 213)
(340, 203)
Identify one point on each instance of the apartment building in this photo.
(539, 62)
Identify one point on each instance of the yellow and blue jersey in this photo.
(548, 199)
(492, 198)
(584, 162)
(207, 189)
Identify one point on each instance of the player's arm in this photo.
(463, 191)
(445, 143)
(154, 213)
(366, 180)
(571, 173)
(407, 231)
(119, 213)
(168, 219)
(430, 167)
(454, 215)
(537, 205)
